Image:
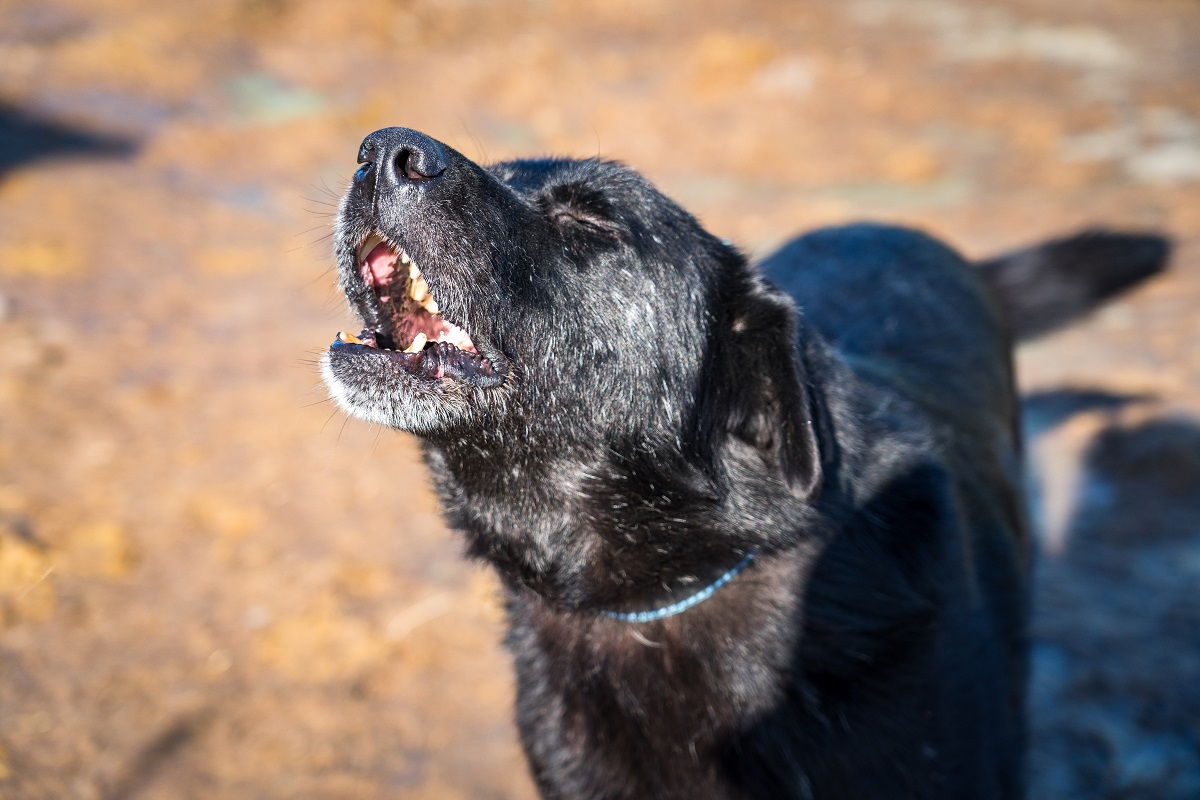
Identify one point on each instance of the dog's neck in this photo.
(604, 528)
(543, 522)
(597, 522)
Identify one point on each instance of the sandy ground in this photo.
(213, 586)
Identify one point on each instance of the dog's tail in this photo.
(1049, 285)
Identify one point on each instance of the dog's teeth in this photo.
(413, 272)
(348, 338)
(460, 339)
(418, 344)
(367, 246)
(404, 259)
(418, 289)
(430, 305)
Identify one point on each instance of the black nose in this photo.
(396, 156)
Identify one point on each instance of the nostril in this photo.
(408, 163)
(399, 156)
(403, 164)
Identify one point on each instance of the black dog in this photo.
(747, 553)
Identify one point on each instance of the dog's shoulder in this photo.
(921, 351)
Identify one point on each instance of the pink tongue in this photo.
(380, 264)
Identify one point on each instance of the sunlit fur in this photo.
(664, 410)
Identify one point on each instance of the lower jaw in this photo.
(435, 361)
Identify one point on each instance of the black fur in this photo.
(663, 411)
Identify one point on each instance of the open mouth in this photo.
(412, 332)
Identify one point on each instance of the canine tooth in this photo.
(418, 289)
(413, 272)
(348, 338)
(404, 259)
(367, 246)
(430, 305)
(418, 344)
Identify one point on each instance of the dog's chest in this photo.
(646, 710)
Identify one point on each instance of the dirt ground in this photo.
(213, 586)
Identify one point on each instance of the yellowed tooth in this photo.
(349, 338)
(430, 305)
(418, 289)
(418, 344)
(413, 272)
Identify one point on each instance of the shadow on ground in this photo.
(25, 138)
(1115, 697)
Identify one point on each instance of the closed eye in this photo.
(569, 216)
(573, 205)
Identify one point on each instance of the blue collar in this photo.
(686, 603)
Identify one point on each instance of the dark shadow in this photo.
(1144, 487)
(164, 747)
(1044, 411)
(1115, 697)
(1114, 694)
(1052, 473)
(25, 138)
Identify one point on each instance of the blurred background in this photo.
(214, 586)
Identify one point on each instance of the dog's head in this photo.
(556, 295)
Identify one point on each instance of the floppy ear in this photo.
(763, 382)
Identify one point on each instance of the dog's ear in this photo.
(762, 384)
